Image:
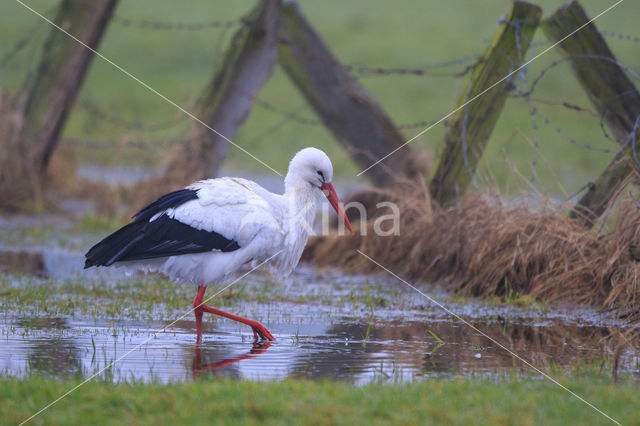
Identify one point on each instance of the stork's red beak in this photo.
(327, 189)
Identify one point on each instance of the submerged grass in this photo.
(132, 298)
(153, 297)
(443, 401)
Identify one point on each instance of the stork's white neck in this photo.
(302, 201)
(300, 210)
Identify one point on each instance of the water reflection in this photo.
(221, 366)
(348, 349)
(58, 358)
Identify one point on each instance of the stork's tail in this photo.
(115, 246)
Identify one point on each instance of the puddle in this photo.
(356, 351)
(327, 325)
(324, 329)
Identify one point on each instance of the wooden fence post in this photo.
(354, 117)
(611, 92)
(51, 93)
(227, 100)
(469, 128)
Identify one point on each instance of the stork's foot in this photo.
(259, 330)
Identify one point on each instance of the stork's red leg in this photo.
(198, 311)
(259, 330)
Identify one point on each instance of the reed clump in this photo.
(486, 247)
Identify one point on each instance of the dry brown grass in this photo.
(23, 186)
(16, 178)
(486, 247)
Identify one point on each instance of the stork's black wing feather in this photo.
(167, 201)
(161, 237)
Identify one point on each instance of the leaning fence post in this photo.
(354, 117)
(610, 91)
(469, 128)
(51, 93)
(227, 100)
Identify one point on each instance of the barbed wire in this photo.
(20, 44)
(604, 113)
(128, 22)
(522, 88)
(219, 46)
(95, 111)
(522, 79)
(414, 125)
(367, 71)
(525, 94)
(293, 115)
(564, 104)
(619, 36)
(601, 115)
(145, 24)
(31, 34)
(269, 131)
(135, 141)
(555, 63)
(131, 141)
(614, 61)
(570, 139)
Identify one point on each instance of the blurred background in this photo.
(412, 56)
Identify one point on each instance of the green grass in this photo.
(143, 297)
(409, 34)
(440, 401)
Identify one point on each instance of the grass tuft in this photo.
(484, 247)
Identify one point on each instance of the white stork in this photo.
(204, 233)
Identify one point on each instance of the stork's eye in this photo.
(321, 175)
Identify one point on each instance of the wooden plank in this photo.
(604, 190)
(27, 147)
(611, 92)
(469, 128)
(354, 117)
(63, 66)
(226, 102)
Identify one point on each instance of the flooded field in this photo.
(60, 321)
(359, 352)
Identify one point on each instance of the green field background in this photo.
(403, 34)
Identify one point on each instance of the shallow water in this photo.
(358, 351)
(327, 325)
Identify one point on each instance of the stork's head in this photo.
(312, 168)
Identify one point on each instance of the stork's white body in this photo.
(209, 230)
(265, 225)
